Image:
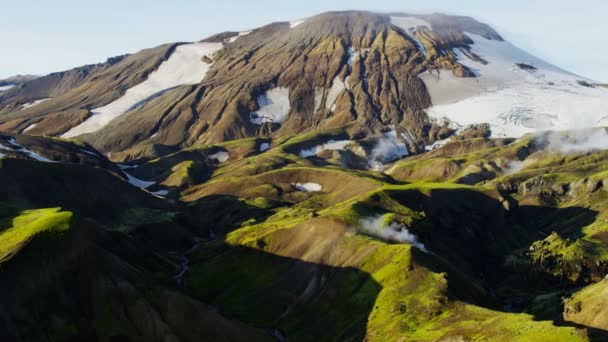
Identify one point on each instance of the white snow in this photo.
(35, 103)
(411, 26)
(240, 34)
(330, 145)
(6, 87)
(308, 187)
(391, 232)
(347, 82)
(88, 152)
(293, 24)
(135, 181)
(388, 149)
(437, 144)
(160, 193)
(512, 100)
(220, 157)
(274, 106)
(30, 153)
(30, 127)
(184, 66)
(352, 55)
(337, 88)
(138, 182)
(264, 147)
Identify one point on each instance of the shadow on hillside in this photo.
(472, 234)
(290, 298)
(469, 233)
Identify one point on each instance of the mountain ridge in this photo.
(381, 22)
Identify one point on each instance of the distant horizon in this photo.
(68, 34)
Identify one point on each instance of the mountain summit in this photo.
(423, 76)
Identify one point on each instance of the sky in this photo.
(41, 36)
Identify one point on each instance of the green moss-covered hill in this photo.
(478, 240)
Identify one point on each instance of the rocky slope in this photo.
(363, 72)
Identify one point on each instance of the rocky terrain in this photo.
(308, 180)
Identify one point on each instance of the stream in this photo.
(185, 262)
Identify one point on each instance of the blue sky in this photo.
(40, 36)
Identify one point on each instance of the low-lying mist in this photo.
(391, 232)
(576, 141)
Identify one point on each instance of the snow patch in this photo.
(30, 153)
(337, 87)
(274, 106)
(89, 152)
(264, 147)
(6, 87)
(184, 66)
(514, 101)
(391, 232)
(30, 127)
(330, 145)
(138, 182)
(220, 157)
(308, 187)
(437, 144)
(34, 103)
(347, 83)
(240, 34)
(352, 55)
(295, 23)
(160, 193)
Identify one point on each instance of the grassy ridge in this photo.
(27, 224)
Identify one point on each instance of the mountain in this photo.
(350, 176)
(359, 71)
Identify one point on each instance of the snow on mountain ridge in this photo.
(183, 67)
(515, 92)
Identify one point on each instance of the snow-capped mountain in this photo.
(423, 76)
(515, 92)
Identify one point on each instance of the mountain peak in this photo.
(358, 71)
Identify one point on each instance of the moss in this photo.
(572, 260)
(134, 217)
(180, 174)
(29, 223)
